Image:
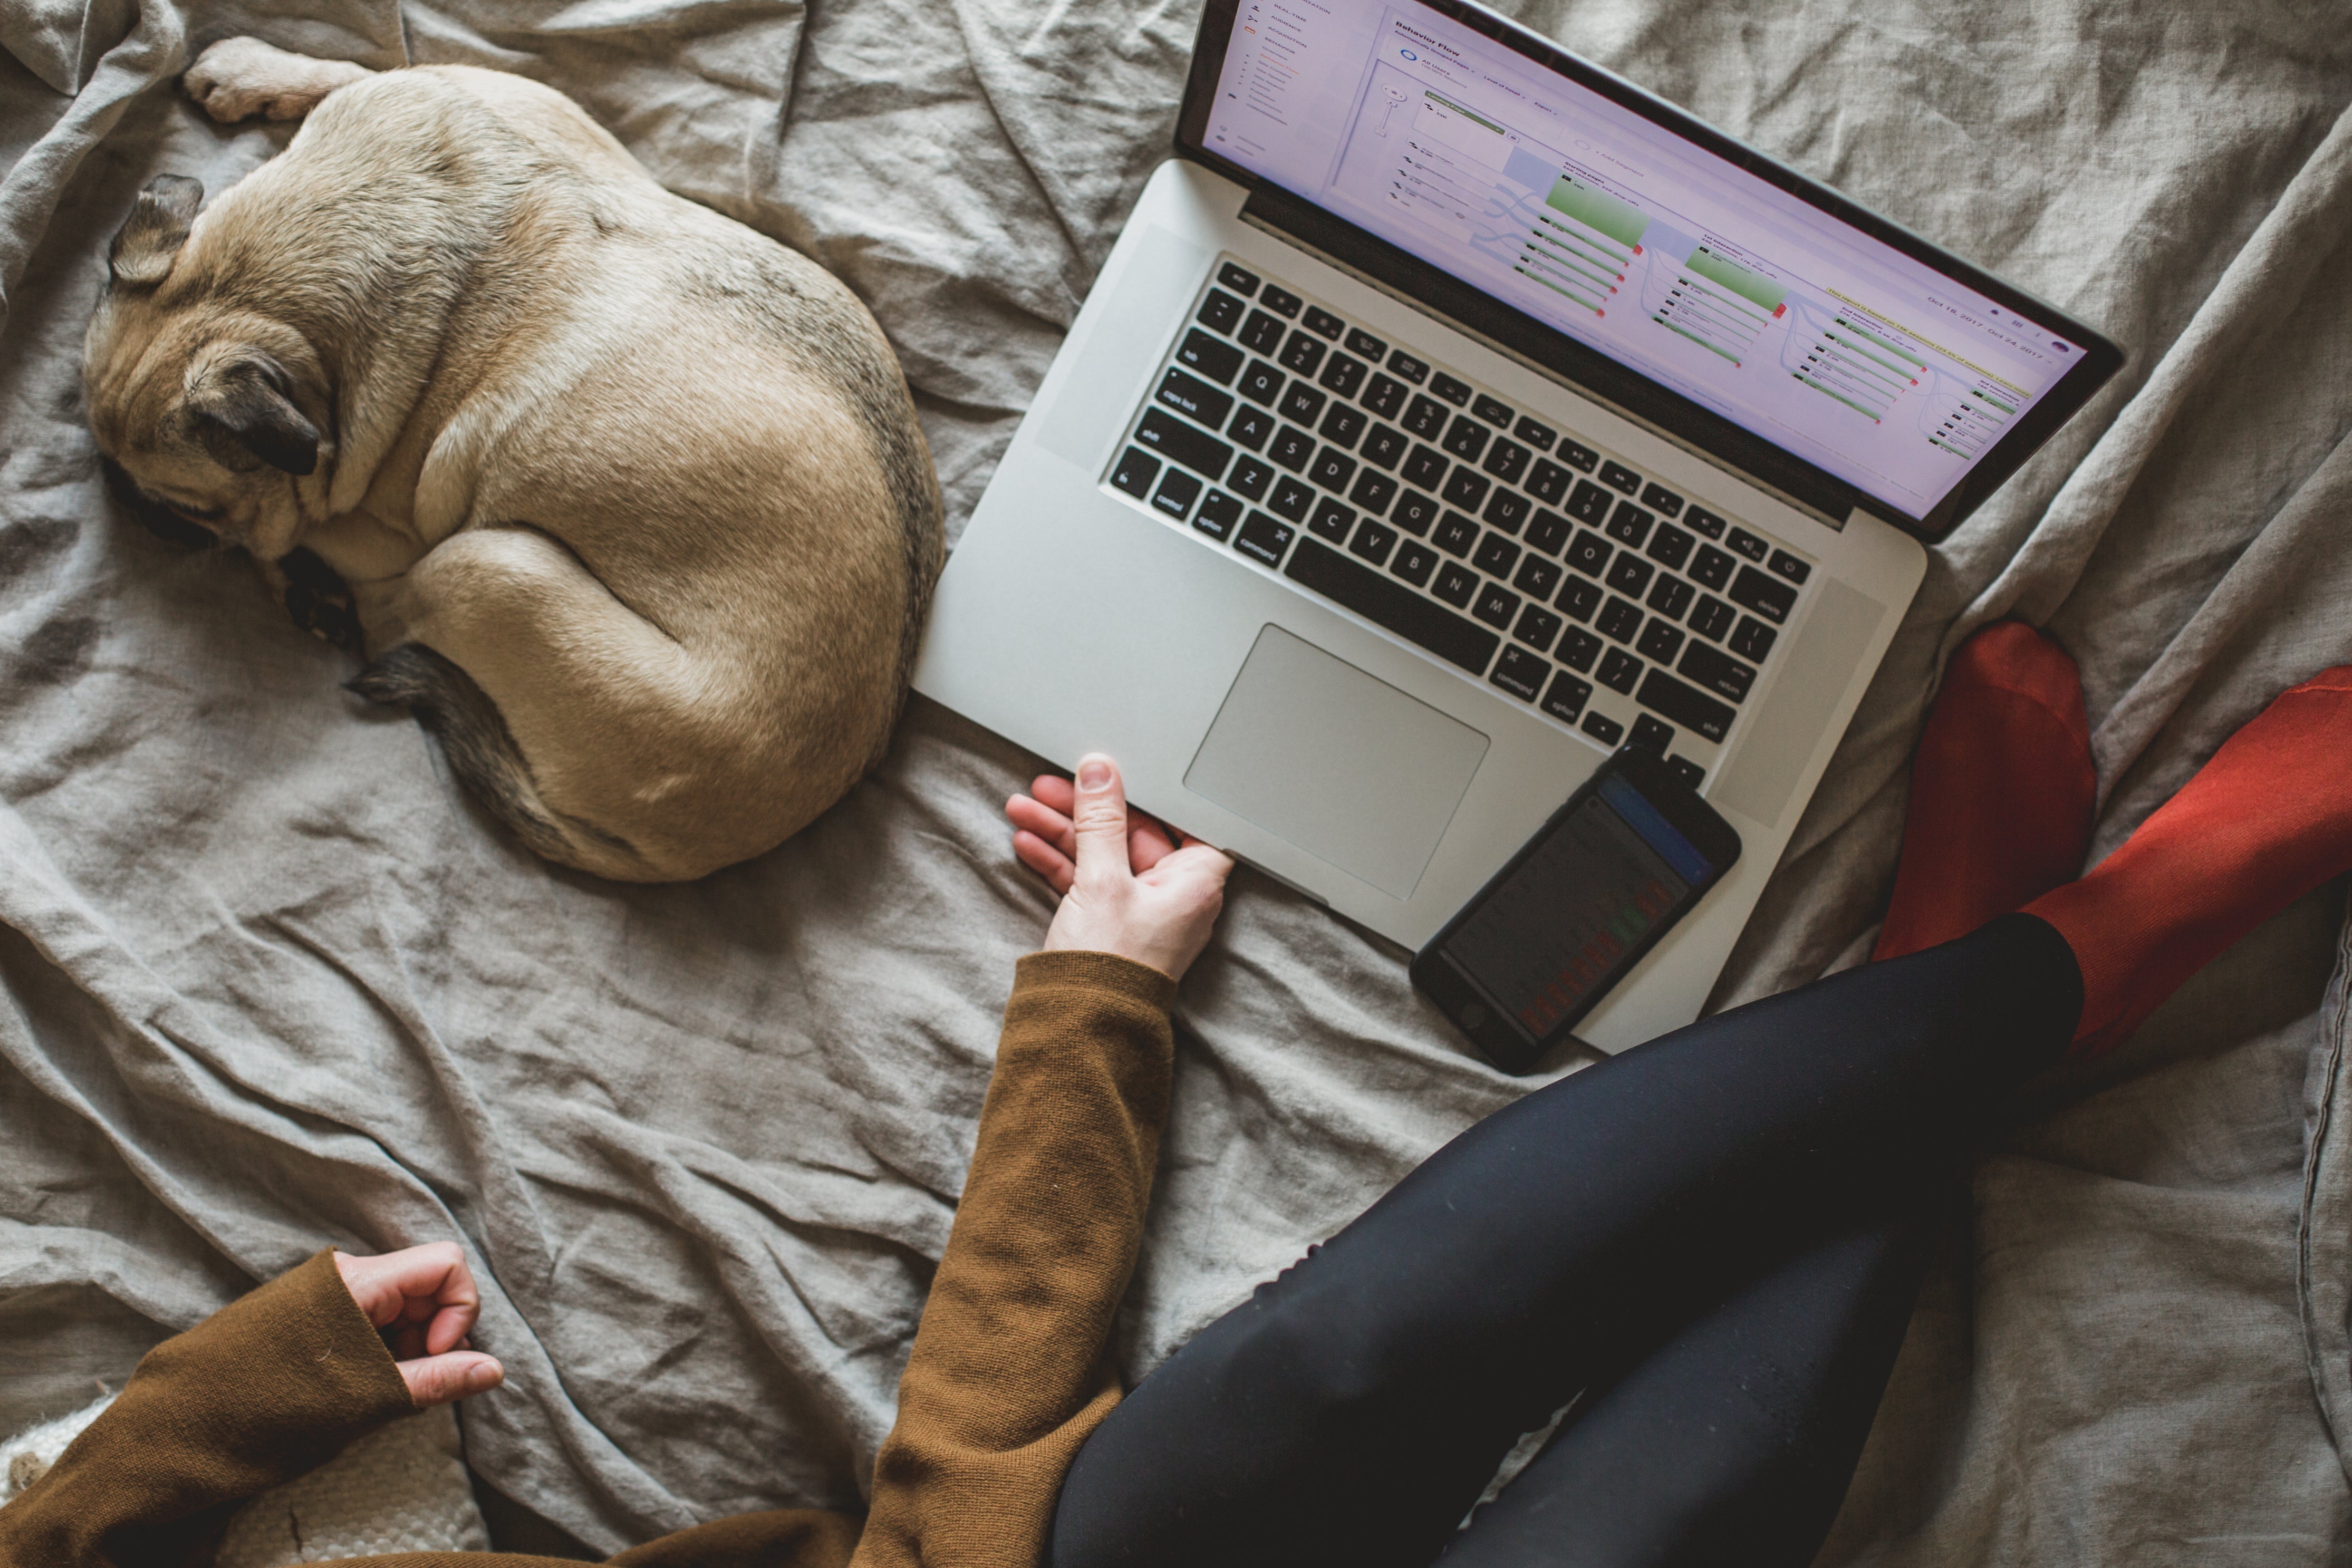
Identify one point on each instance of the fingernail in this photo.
(480, 1378)
(1094, 773)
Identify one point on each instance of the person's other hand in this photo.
(1127, 886)
(424, 1299)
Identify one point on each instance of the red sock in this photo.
(2266, 821)
(2002, 790)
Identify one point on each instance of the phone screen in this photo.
(1549, 936)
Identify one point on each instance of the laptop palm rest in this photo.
(1336, 761)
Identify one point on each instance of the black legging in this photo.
(1713, 1239)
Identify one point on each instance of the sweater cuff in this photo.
(1095, 972)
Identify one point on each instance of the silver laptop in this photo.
(1451, 413)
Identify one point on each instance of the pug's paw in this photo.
(237, 78)
(317, 598)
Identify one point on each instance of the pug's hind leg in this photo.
(237, 78)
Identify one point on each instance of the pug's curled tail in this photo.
(473, 735)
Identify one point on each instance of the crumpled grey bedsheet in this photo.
(271, 983)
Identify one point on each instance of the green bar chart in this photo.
(1598, 211)
(1763, 292)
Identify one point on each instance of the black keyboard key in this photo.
(1589, 554)
(1617, 476)
(1717, 671)
(1497, 605)
(1713, 617)
(1603, 728)
(1455, 534)
(1754, 640)
(1630, 575)
(1219, 513)
(1689, 772)
(1506, 509)
(1384, 447)
(1301, 404)
(1465, 489)
(1178, 490)
(1659, 499)
(1713, 569)
(1495, 556)
(1649, 732)
(1384, 396)
(1261, 332)
(1264, 537)
(1386, 602)
(1767, 596)
(1362, 342)
(1705, 522)
(1493, 410)
(1578, 456)
(1322, 322)
(1619, 670)
(1456, 583)
(1250, 477)
(1590, 504)
(1537, 577)
(1686, 705)
(1670, 596)
(1331, 520)
(1548, 481)
(1261, 384)
(1134, 472)
(1620, 621)
(1292, 447)
(1213, 356)
(1540, 437)
(1372, 542)
(1302, 353)
(1219, 312)
(1789, 566)
(1520, 672)
(1507, 461)
(1579, 599)
(1414, 512)
(1742, 542)
(1291, 499)
(1342, 424)
(1670, 547)
(1240, 279)
(1578, 649)
(1333, 468)
(1343, 375)
(1415, 562)
(1194, 398)
(1406, 366)
(1425, 418)
(1466, 439)
(1537, 627)
(1629, 525)
(1660, 640)
(1372, 491)
(1172, 438)
(1250, 428)
(1567, 698)
(1454, 391)
(1426, 467)
(1548, 533)
(1280, 300)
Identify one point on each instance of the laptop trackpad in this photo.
(1341, 764)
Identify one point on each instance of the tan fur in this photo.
(652, 482)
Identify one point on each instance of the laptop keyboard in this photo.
(1512, 551)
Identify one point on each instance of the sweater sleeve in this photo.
(1010, 1370)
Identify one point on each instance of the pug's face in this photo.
(206, 413)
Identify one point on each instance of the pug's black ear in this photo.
(245, 418)
(151, 235)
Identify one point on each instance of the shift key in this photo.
(1196, 399)
(1172, 438)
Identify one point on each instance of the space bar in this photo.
(1449, 636)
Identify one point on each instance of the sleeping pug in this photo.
(632, 503)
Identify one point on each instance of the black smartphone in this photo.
(1576, 908)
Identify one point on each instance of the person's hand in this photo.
(1127, 886)
(425, 1299)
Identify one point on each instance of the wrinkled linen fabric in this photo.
(271, 981)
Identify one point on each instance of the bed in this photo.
(271, 982)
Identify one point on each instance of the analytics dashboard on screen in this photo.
(1832, 344)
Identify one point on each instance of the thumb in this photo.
(444, 1379)
(1100, 816)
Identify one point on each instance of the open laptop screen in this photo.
(1576, 200)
